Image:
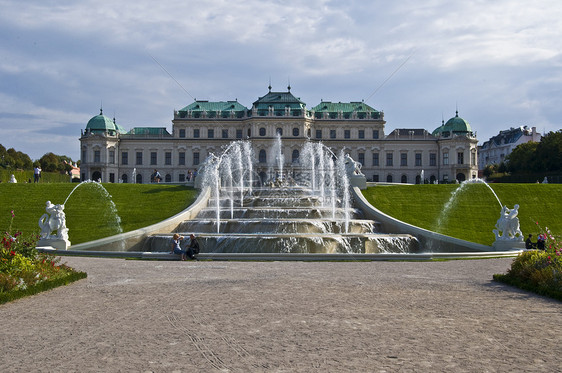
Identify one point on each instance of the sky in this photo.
(497, 62)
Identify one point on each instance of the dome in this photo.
(455, 125)
(101, 123)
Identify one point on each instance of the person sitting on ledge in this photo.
(530, 245)
(193, 247)
(176, 249)
(540, 242)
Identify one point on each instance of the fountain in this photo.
(305, 208)
(507, 232)
(54, 232)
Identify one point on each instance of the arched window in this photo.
(96, 176)
(124, 178)
(418, 179)
(389, 179)
(295, 131)
(168, 178)
(262, 131)
(262, 156)
(404, 179)
(295, 157)
(249, 132)
(139, 179)
(279, 131)
(461, 177)
(432, 179)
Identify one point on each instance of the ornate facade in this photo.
(111, 154)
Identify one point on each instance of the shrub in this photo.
(538, 271)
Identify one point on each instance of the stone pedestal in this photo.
(359, 181)
(57, 243)
(506, 245)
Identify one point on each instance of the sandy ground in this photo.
(156, 316)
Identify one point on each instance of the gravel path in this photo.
(160, 316)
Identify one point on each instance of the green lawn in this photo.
(474, 211)
(89, 213)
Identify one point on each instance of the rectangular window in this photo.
(182, 132)
(225, 134)
(375, 134)
(318, 134)
(375, 159)
(389, 160)
(332, 134)
(376, 178)
(111, 177)
(168, 158)
(418, 159)
(445, 177)
(432, 159)
(460, 158)
(361, 134)
(403, 159)
(473, 158)
(139, 158)
(124, 157)
(361, 158)
(445, 158)
(112, 156)
(196, 133)
(84, 153)
(210, 133)
(195, 158)
(181, 160)
(182, 178)
(346, 134)
(238, 134)
(153, 158)
(97, 156)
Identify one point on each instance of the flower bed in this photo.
(537, 270)
(24, 271)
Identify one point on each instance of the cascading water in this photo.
(304, 210)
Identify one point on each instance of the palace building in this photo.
(112, 154)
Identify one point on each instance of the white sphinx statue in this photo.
(508, 233)
(53, 220)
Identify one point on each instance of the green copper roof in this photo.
(213, 108)
(149, 131)
(279, 101)
(210, 106)
(346, 108)
(101, 123)
(455, 125)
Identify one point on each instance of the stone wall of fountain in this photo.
(303, 207)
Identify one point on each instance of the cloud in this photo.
(60, 60)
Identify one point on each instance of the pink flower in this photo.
(13, 215)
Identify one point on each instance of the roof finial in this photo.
(101, 107)
(457, 111)
(289, 86)
(269, 86)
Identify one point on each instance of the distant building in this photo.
(498, 147)
(111, 154)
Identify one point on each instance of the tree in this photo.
(522, 158)
(549, 152)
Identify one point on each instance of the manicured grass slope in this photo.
(474, 211)
(88, 210)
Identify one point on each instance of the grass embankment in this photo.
(89, 214)
(474, 210)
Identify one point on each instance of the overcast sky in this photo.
(498, 62)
